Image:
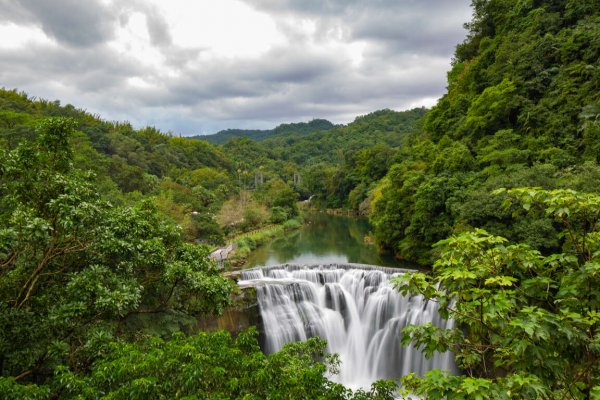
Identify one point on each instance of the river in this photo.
(324, 239)
(323, 291)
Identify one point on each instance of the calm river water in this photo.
(323, 239)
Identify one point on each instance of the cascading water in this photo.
(354, 308)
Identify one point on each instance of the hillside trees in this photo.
(527, 324)
(189, 181)
(340, 166)
(73, 268)
(521, 110)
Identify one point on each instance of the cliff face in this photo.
(243, 314)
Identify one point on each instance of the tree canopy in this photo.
(527, 324)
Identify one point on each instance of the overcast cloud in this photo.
(195, 67)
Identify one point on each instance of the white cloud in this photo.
(225, 28)
(203, 65)
(21, 36)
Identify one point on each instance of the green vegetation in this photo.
(77, 272)
(102, 223)
(251, 240)
(527, 323)
(205, 366)
(300, 128)
(187, 180)
(75, 268)
(521, 110)
(519, 273)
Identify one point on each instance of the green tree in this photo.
(527, 324)
(204, 366)
(74, 269)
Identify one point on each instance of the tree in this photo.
(527, 324)
(74, 269)
(212, 366)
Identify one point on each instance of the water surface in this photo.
(355, 309)
(324, 239)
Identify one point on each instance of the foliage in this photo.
(74, 268)
(189, 180)
(521, 110)
(207, 366)
(527, 324)
(277, 194)
(300, 128)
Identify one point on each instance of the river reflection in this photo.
(323, 239)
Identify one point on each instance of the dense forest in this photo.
(521, 110)
(497, 186)
(104, 263)
(299, 128)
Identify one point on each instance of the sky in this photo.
(198, 66)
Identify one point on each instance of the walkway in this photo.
(221, 254)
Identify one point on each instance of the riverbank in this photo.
(242, 245)
(346, 212)
(323, 239)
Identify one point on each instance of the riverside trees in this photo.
(74, 268)
(521, 110)
(528, 324)
(75, 271)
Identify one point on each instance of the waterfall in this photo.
(355, 309)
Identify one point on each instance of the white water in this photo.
(355, 309)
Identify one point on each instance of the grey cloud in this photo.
(13, 11)
(406, 56)
(158, 30)
(430, 26)
(416, 30)
(158, 27)
(309, 7)
(84, 23)
(296, 64)
(226, 93)
(72, 22)
(333, 93)
(72, 67)
(277, 71)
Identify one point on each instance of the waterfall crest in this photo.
(354, 308)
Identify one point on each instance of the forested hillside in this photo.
(522, 109)
(188, 180)
(299, 128)
(338, 166)
(100, 279)
(497, 187)
(504, 180)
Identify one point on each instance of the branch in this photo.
(9, 260)
(33, 277)
(573, 239)
(29, 291)
(23, 374)
(165, 301)
(51, 252)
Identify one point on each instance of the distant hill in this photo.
(262, 134)
(383, 127)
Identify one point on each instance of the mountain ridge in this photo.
(223, 136)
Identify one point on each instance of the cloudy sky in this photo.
(198, 66)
